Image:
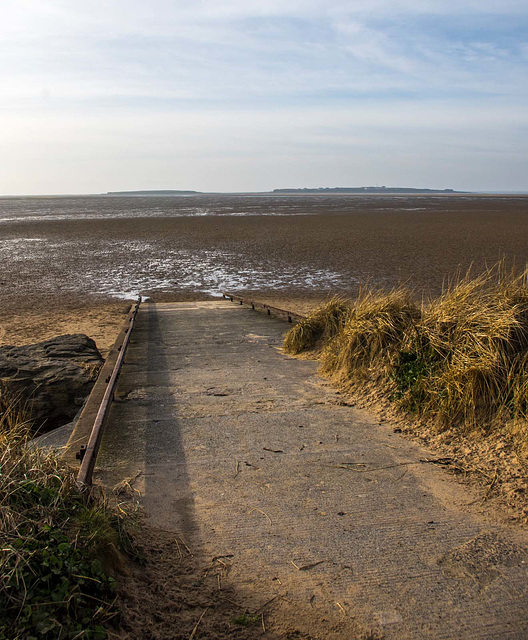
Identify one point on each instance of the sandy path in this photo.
(241, 451)
(101, 322)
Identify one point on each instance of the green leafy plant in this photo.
(409, 370)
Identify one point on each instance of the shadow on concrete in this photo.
(169, 501)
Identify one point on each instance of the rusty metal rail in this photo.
(88, 453)
(289, 316)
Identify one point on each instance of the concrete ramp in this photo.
(250, 456)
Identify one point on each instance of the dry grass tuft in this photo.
(470, 352)
(461, 358)
(319, 327)
(54, 545)
(376, 325)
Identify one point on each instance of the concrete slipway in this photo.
(240, 450)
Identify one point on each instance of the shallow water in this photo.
(125, 269)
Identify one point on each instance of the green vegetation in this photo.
(461, 358)
(56, 548)
(246, 619)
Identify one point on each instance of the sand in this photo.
(101, 322)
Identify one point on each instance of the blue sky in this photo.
(251, 95)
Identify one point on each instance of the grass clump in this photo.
(461, 358)
(371, 336)
(55, 547)
(317, 328)
(473, 340)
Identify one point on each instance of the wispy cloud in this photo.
(408, 70)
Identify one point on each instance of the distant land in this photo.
(163, 192)
(319, 190)
(366, 190)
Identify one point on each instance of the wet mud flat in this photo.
(69, 253)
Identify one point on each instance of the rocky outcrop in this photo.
(49, 379)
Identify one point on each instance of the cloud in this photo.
(210, 79)
(440, 145)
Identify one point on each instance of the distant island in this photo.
(366, 190)
(164, 192)
(319, 190)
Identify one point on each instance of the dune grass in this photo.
(322, 325)
(57, 549)
(461, 358)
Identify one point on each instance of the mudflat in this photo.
(311, 512)
(61, 256)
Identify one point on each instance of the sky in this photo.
(250, 95)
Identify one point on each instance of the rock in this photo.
(50, 379)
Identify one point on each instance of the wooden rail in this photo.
(289, 316)
(88, 453)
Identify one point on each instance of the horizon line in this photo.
(278, 191)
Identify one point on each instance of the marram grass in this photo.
(55, 547)
(322, 325)
(371, 335)
(461, 358)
